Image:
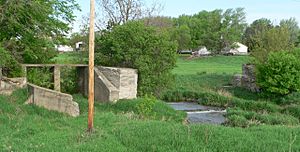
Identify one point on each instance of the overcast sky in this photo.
(255, 9)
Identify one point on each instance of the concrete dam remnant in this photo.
(111, 85)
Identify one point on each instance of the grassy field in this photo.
(146, 124)
(210, 85)
(218, 64)
(71, 58)
(119, 128)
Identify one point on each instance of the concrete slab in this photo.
(197, 113)
(210, 117)
(191, 106)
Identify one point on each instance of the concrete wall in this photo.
(105, 91)
(111, 84)
(247, 79)
(8, 85)
(128, 83)
(52, 100)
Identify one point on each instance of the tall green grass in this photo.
(216, 64)
(207, 81)
(30, 128)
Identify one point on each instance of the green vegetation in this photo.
(208, 87)
(255, 122)
(9, 63)
(120, 128)
(80, 57)
(41, 76)
(218, 64)
(280, 74)
(134, 45)
(207, 27)
(29, 29)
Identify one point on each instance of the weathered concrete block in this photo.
(248, 79)
(128, 83)
(52, 100)
(8, 85)
(105, 91)
(111, 84)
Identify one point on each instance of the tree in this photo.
(254, 33)
(35, 25)
(120, 11)
(205, 29)
(293, 28)
(233, 27)
(215, 29)
(183, 37)
(262, 37)
(134, 45)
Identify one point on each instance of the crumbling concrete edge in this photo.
(113, 92)
(52, 100)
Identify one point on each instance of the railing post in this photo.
(57, 78)
(24, 69)
(0, 76)
(0, 73)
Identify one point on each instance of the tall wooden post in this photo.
(91, 67)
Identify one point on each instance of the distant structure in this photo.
(64, 48)
(201, 52)
(79, 46)
(239, 49)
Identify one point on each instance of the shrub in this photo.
(68, 80)
(133, 45)
(7, 61)
(145, 106)
(42, 77)
(280, 74)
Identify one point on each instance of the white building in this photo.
(203, 51)
(79, 45)
(64, 48)
(240, 49)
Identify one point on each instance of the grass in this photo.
(146, 124)
(71, 58)
(206, 81)
(218, 64)
(30, 128)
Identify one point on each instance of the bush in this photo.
(42, 77)
(133, 45)
(68, 80)
(8, 62)
(280, 74)
(145, 106)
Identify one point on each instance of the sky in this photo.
(275, 10)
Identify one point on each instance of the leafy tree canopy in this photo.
(35, 25)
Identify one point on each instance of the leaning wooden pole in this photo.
(91, 67)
